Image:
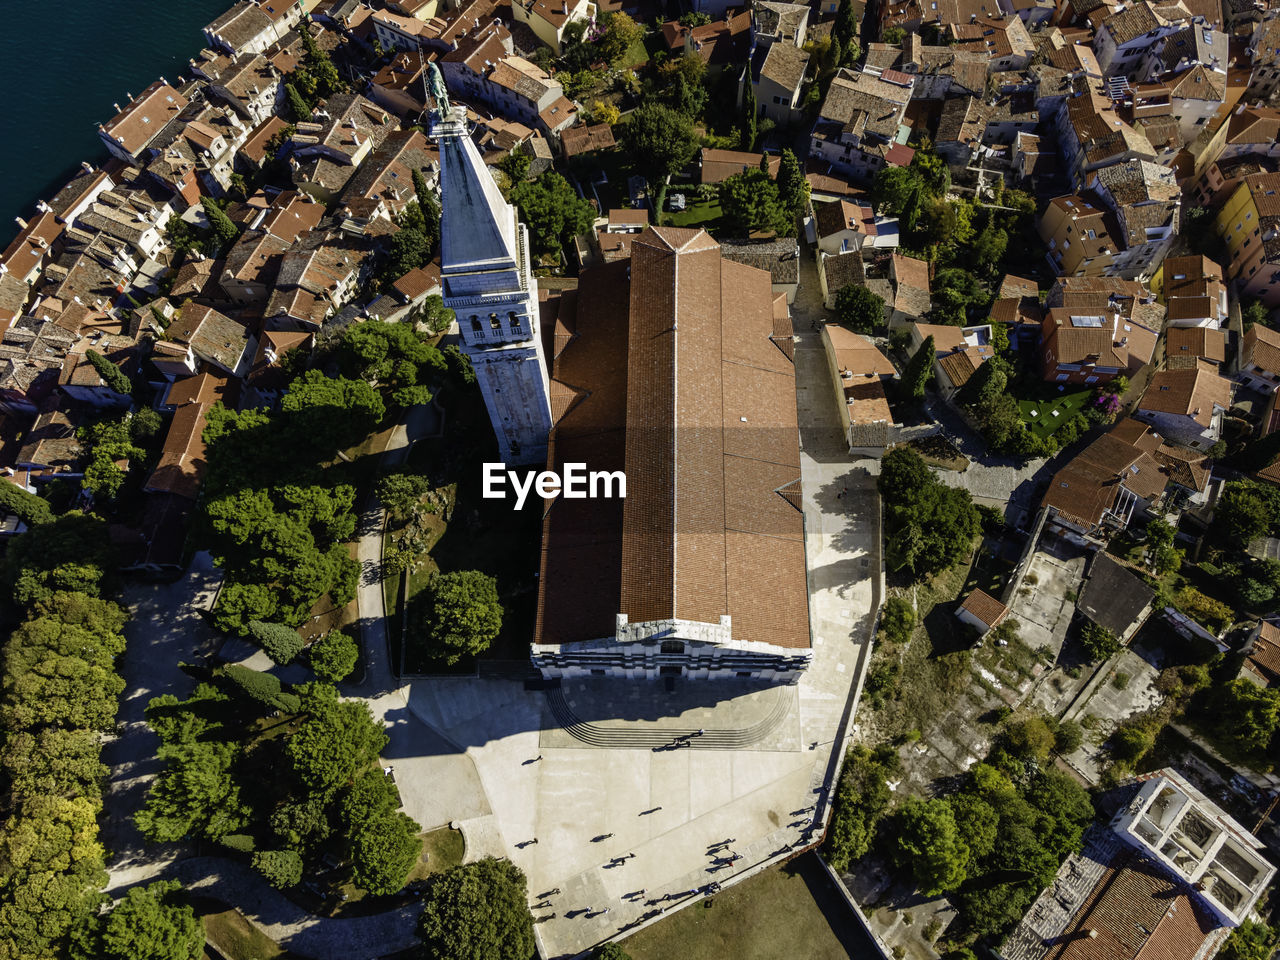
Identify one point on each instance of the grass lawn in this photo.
(442, 850)
(234, 937)
(1049, 402)
(637, 55)
(697, 213)
(784, 913)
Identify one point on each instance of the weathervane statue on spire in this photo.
(438, 90)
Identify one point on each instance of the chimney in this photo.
(84, 165)
(22, 224)
(117, 106)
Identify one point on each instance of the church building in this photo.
(676, 367)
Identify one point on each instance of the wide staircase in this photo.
(647, 737)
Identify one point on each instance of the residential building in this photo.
(774, 22)
(909, 280)
(251, 267)
(26, 257)
(1188, 347)
(81, 382)
(1082, 236)
(1170, 876)
(1093, 135)
(318, 275)
(253, 25)
(1105, 484)
(1147, 203)
(1262, 655)
(1114, 597)
(387, 174)
(839, 270)
(328, 148)
(582, 140)
(548, 18)
(777, 81)
(249, 83)
(1192, 289)
(725, 596)
(1252, 133)
(1249, 222)
(1001, 38)
(181, 467)
(32, 354)
(961, 129)
(510, 85)
(1186, 406)
(1092, 343)
(1264, 56)
(981, 611)
(614, 236)
(131, 130)
(719, 44)
(1259, 366)
(859, 372)
(958, 353)
(202, 333)
(844, 225)
(860, 127)
(262, 143)
(717, 165)
(1125, 38)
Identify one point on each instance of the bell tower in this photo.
(488, 282)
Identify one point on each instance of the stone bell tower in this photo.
(488, 282)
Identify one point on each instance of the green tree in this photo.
(956, 292)
(930, 846)
(1245, 511)
(348, 409)
(750, 203)
(408, 250)
(297, 106)
(335, 742)
(1254, 312)
(280, 868)
(1249, 941)
(659, 140)
(862, 798)
(261, 686)
(109, 373)
(793, 188)
(53, 763)
(462, 614)
(897, 620)
(1099, 643)
(620, 33)
(196, 794)
(428, 208)
(151, 923)
(436, 315)
(919, 371)
(893, 35)
(281, 643)
(384, 851)
(928, 526)
(477, 910)
(859, 309)
(223, 230)
(109, 442)
(750, 109)
(27, 507)
(400, 493)
(977, 822)
(552, 210)
(1243, 719)
(845, 32)
(302, 824)
(1029, 737)
(334, 656)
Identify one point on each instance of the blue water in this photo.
(62, 65)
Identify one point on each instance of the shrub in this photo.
(281, 868)
(334, 656)
(238, 841)
(1099, 643)
(280, 642)
(897, 620)
(260, 686)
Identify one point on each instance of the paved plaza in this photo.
(589, 788)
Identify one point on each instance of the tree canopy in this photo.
(462, 614)
(750, 202)
(477, 910)
(859, 309)
(928, 526)
(335, 742)
(929, 844)
(150, 923)
(552, 210)
(659, 140)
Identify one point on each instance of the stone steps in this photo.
(601, 735)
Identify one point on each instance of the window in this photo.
(513, 322)
(494, 323)
(475, 326)
(673, 646)
(1064, 376)
(596, 672)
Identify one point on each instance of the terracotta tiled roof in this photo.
(719, 165)
(707, 444)
(584, 139)
(1192, 393)
(1264, 658)
(985, 607)
(1196, 342)
(137, 124)
(1124, 457)
(1262, 348)
(1135, 911)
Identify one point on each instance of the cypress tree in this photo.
(919, 371)
(297, 106)
(750, 108)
